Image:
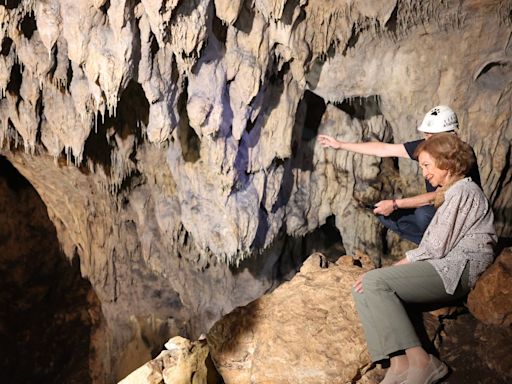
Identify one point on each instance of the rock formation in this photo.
(306, 331)
(491, 300)
(172, 142)
(183, 362)
(48, 313)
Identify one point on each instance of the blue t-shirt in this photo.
(474, 173)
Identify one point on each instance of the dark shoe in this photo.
(434, 371)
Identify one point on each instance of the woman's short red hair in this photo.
(449, 152)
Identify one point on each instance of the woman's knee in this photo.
(355, 295)
(374, 280)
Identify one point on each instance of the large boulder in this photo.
(306, 331)
(491, 299)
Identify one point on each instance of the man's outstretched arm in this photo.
(375, 148)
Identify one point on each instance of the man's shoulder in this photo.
(410, 147)
(414, 142)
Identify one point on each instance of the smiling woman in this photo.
(444, 159)
(457, 247)
(434, 175)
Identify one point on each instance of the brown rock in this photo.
(475, 352)
(491, 299)
(306, 331)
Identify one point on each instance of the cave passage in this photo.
(45, 305)
(326, 239)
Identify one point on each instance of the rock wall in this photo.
(173, 141)
(48, 313)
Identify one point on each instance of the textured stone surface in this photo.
(491, 299)
(173, 141)
(306, 331)
(475, 352)
(184, 362)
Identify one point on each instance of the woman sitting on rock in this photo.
(456, 248)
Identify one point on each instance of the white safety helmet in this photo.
(439, 119)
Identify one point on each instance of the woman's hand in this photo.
(405, 260)
(328, 141)
(358, 285)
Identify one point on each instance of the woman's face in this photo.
(435, 176)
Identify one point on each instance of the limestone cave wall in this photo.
(173, 141)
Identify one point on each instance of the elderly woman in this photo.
(456, 249)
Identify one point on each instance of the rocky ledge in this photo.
(307, 331)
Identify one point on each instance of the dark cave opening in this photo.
(45, 304)
(104, 8)
(245, 18)
(362, 108)
(11, 4)
(14, 84)
(132, 114)
(6, 46)
(219, 29)
(289, 10)
(294, 251)
(188, 138)
(353, 39)
(392, 23)
(28, 25)
(326, 239)
(309, 118)
(315, 108)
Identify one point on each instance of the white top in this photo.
(462, 230)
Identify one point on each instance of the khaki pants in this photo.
(386, 325)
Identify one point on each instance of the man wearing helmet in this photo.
(409, 217)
